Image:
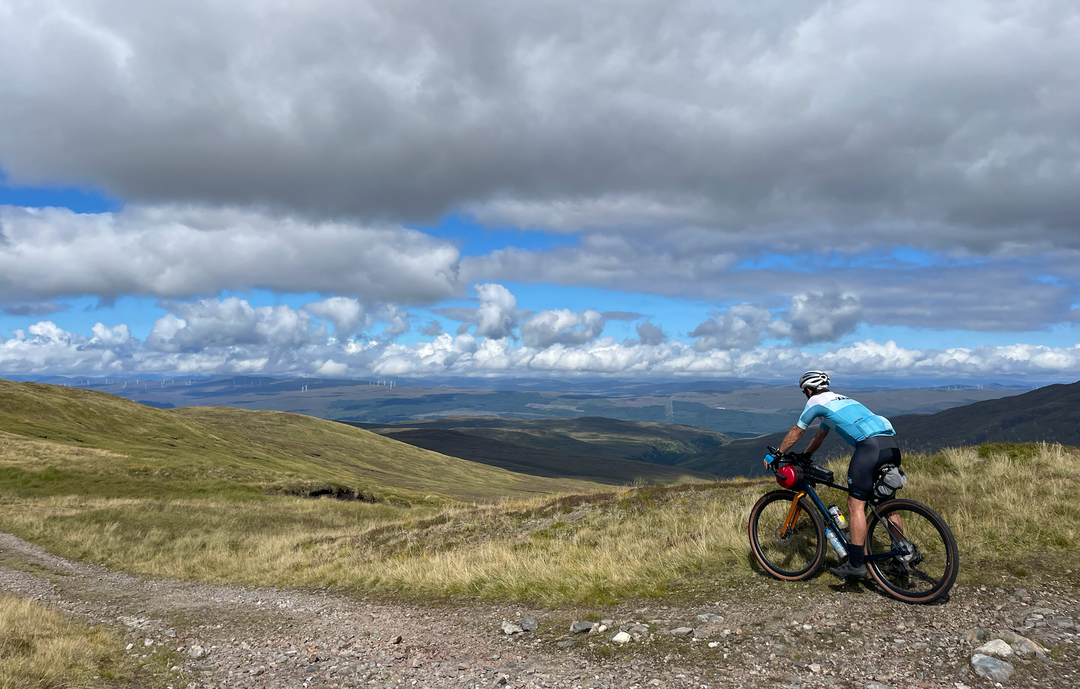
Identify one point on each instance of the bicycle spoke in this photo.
(925, 564)
(794, 552)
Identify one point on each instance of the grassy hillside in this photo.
(1049, 414)
(592, 435)
(116, 448)
(530, 460)
(106, 485)
(1017, 521)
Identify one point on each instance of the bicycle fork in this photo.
(792, 517)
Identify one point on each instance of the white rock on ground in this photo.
(510, 628)
(991, 668)
(621, 638)
(997, 647)
(1023, 645)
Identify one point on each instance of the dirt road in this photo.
(766, 634)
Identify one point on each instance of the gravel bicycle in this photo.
(910, 550)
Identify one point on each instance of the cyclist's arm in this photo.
(791, 438)
(819, 438)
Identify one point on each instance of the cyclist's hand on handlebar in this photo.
(769, 459)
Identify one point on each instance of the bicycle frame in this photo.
(807, 489)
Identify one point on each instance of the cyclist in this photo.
(875, 446)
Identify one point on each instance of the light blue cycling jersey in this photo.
(851, 420)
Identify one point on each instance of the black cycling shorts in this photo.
(870, 455)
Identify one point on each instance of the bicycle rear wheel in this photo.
(791, 554)
(927, 562)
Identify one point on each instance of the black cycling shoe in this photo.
(893, 569)
(847, 571)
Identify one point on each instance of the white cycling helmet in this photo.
(815, 380)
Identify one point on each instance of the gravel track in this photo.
(771, 634)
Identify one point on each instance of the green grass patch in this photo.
(42, 649)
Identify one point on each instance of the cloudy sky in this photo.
(635, 188)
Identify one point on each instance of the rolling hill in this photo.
(1048, 414)
(641, 441)
(56, 439)
(539, 462)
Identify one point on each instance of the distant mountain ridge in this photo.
(540, 462)
(1048, 414)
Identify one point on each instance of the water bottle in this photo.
(838, 517)
(834, 541)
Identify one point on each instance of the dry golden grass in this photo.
(1009, 505)
(42, 649)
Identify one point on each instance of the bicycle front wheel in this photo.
(788, 539)
(925, 560)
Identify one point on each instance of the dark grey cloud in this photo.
(32, 308)
(621, 316)
(823, 317)
(938, 124)
(942, 292)
(651, 335)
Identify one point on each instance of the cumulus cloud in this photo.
(116, 336)
(565, 114)
(46, 348)
(397, 321)
(346, 314)
(211, 323)
(823, 317)
(562, 326)
(496, 317)
(177, 252)
(743, 326)
(651, 335)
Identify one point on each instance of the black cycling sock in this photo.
(856, 556)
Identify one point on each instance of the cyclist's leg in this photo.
(890, 454)
(860, 487)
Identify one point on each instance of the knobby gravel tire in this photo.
(801, 554)
(931, 578)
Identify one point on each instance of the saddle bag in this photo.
(890, 478)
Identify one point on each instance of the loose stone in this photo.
(991, 668)
(509, 628)
(997, 647)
